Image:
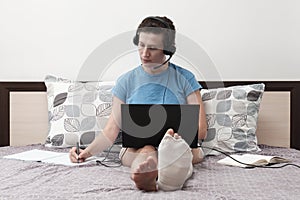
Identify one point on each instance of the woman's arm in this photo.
(195, 98)
(106, 138)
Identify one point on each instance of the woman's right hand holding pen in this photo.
(78, 158)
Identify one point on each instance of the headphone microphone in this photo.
(158, 66)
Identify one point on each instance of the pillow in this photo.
(232, 115)
(77, 111)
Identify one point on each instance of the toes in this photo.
(146, 166)
(176, 136)
(151, 163)
(139, 169)
(170, 132)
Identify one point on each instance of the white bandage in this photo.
(174, 163)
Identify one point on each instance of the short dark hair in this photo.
(157, 22)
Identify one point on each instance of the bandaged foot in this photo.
(174, 162)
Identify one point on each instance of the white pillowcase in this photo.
(77, 111)
(232, 115)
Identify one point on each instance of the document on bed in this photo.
(48, 157)
(252, 160)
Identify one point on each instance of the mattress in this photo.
(210, 180)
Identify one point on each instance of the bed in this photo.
(22, 103)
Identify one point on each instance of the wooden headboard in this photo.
(278, 121)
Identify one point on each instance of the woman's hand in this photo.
(83, 155)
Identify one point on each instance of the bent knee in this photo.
(147, 149)
(198, 155)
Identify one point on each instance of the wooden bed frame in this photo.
(278, 122)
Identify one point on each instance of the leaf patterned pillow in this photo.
(232, 115)
(77, 111)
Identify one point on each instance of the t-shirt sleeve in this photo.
(192, 85)
(119, 89)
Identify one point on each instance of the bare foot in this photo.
(145, 175)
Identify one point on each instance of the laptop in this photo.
(146, 124)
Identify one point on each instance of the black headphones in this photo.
(169, 46)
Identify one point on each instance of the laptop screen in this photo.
(146, 124)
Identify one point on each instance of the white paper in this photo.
(65, 160)
(48, 157)
(34, 155)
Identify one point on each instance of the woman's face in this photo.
(151, 49)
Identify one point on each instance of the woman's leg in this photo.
(174, 162)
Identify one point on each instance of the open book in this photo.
(48, 157)
(252, 159)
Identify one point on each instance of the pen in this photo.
(77, 151)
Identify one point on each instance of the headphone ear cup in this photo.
(136, 39)
(170, 51)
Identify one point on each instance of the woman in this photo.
(155, 81)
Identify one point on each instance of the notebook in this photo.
(146, 124)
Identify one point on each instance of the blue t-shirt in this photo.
(172, 86)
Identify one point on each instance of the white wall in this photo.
(246, 39)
